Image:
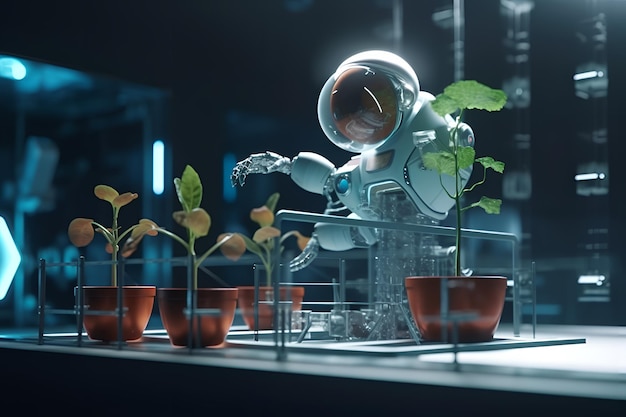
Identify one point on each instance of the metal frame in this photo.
(306, 217)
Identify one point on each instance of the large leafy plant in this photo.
(456, 99)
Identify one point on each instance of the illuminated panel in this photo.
(591, 279)
(158, 167)
(9, 258)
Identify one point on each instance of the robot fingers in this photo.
(260, 163)
(238, 174)
(307, 256)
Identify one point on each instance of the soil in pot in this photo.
(295, 294)
(137, 301)
(479, 298)
(212, 328)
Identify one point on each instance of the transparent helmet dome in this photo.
(361, 109)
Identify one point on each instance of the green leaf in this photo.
(490, 205)
(466, 155)
(253, 247)
(442, 162)
(189, 189)
(272, 202)
(468, 94)
(443, 105)
(489, 162)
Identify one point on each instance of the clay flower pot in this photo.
(266, 310)
(137, 300)
(480, 296)
(213, 328)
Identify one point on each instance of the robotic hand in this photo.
(260, 163)
(372, 106)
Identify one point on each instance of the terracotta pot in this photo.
(266, 310)
(213, 328)
(137, 299)
(482, 296)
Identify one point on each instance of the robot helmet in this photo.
(362, 103)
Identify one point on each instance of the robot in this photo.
(372, 106)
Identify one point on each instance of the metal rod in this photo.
(42, 299)
(443, 308)
(534, 296)
(292, 215)
(342, 282)
(459, 39)
(190, 306)
(120, 301)
(517, 302)
(255, 303)
(80, 277)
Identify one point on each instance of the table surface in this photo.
(580, 361)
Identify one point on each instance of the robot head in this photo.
(362, 104)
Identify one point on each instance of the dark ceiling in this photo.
(260, 63)
(252, 69)
(240, 51)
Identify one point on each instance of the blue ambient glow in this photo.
(12, 68)
(9, 258)
(158, 167)
(229, 193)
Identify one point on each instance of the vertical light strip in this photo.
(229, 193)
(158, 167)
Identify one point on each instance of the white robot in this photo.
(372, 105)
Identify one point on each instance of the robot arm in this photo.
(309, 170)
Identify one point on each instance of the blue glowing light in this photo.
(9, 258)
(158, 167)
(229, 193)
(12, 68)
(343, 185)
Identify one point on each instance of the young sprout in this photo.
(81, 231)
(264, 238)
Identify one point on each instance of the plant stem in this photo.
(115, 247)
(458, 192)
(195, 274)
(267, 262)
(457, 255)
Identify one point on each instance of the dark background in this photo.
(243, 76)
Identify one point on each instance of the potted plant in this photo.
(258, 302)
(137, 300)
(479, 298)
(176, 304)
